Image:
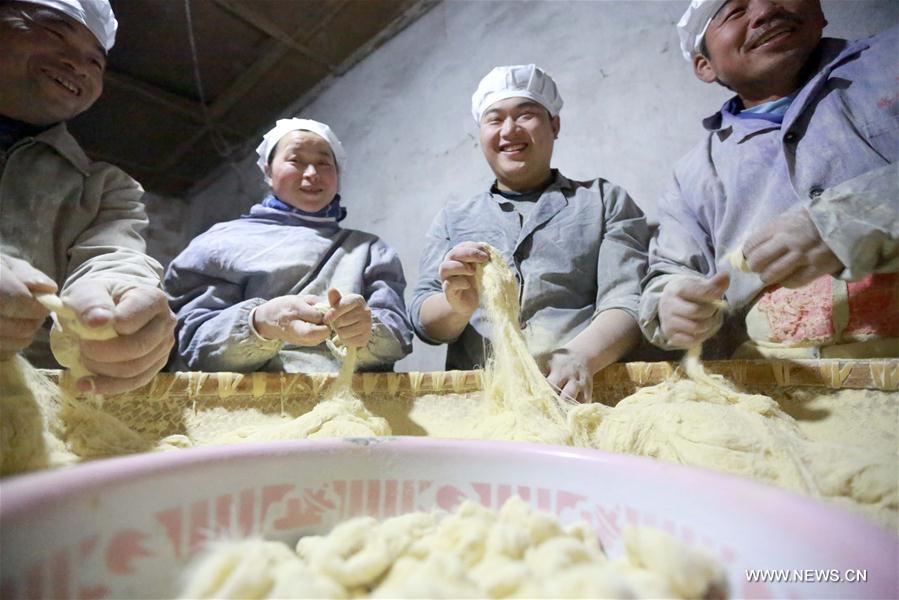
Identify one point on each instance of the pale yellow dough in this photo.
(340, 414)
(738, 261)
(30, 426)
(700, 420)
(522, 405)
(68, 331)
(516, 552)
(841, 446)
(43, 425)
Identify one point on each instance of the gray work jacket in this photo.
(71, 218)
(580, 251)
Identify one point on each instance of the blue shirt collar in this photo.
(333, 212)
(831, 52)
(772, 111)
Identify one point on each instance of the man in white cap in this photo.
(266, 291)
(577, 247)
(69, 224)
(797, 173)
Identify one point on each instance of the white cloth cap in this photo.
(692, 26)
(284, 126)
(524, 81)
(96, 15)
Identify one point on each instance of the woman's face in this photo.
(303, 171)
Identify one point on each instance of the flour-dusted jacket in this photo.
(70, 217)
(835, 153)
(238, 265)
(580, 251)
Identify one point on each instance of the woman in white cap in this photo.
(577, 247)
(264, 292)
(70, 224)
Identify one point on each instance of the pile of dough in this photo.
(475, 552)
(340, 414)
(43, 425)
(694, 419)
(703, 421)
(30, 425)
(699, 420)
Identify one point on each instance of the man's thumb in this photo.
(717, 285)
(333, 297)
(39, 283)
(91, 302)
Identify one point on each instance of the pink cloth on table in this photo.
(805, 314)
(874, 307)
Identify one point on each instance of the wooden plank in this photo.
(183, 148)
(253, 18)
(172, 102)
(882, 374)
(274, 52)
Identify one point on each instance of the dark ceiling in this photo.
(256, 59)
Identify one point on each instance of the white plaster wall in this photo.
(632, 107)
(165, 235)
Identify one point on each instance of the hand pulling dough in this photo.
(68, 331)
(738, 261)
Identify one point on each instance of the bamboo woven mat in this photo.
(617, 379)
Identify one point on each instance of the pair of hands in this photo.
(457, 272)
(566, 370)
(140, 316)
(789, 252)
(298, 320)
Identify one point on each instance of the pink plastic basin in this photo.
(125, 527)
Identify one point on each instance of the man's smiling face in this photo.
(51, 65)
(517, 137)
(759, 47)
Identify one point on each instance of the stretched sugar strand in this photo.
(523, 403)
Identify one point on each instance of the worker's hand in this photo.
(292, 319)
(20, 314)
(350, 318)
(790, 252)
(145, 326)
(457, 271)
(687, 311)
(567, 372)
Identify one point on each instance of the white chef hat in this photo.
(96, 15)
(284, 126)
(525, 81)
(692, 26)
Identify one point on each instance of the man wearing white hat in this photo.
(70, 224)
(577, 247)
(797, 172)
(266, 291)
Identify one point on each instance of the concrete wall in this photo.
(166, 236)
(632, 107)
